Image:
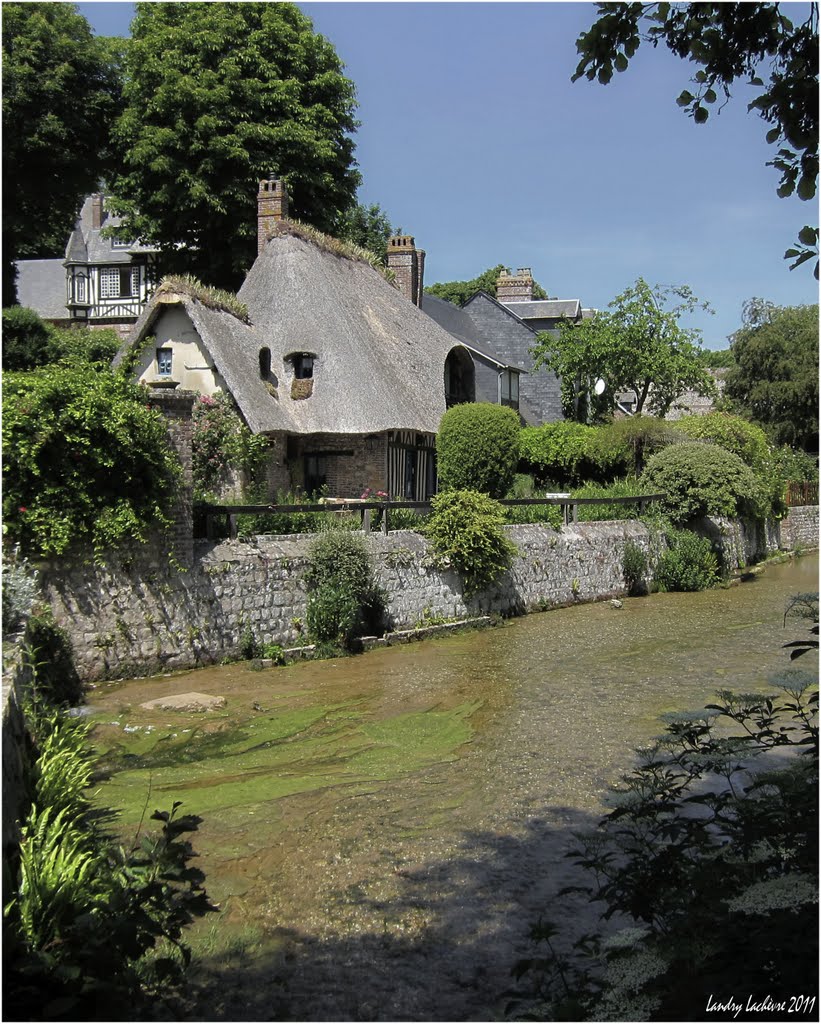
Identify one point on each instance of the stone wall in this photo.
(799, 528)
(16, 681)
(140, 617)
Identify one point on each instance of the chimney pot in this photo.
(516, 287)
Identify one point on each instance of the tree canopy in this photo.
(639, 346)
(755, 42)
(60, 91)
(218, 96)
(775, 378)
(458, 292)
(369, 227)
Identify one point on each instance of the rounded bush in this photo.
(732, 433)
(26, 339)
(465, 528)
(703, 480)
(343, 602)
(477, 448)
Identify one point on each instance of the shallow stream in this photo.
(382, 831)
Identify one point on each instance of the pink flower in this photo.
(22, 509)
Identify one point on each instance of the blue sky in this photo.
(474, 140)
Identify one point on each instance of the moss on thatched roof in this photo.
(337, 246)
(213, 298)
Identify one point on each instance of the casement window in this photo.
(121, 243)
(119, 282)
(303, 364)
(164, 360)
(509, 388)
(80, 290)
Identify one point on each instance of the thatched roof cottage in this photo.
(322, 354)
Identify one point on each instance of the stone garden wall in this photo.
(143, 616)
(799, 528)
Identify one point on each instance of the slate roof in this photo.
(87, 245)
(457, 322)
(379, 361)
(41, 285)
(541, 309)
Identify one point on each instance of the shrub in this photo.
(477, 448)
(86, 919)
(465, 529)
(221, 442)
(564, 452)
(733, 433)
(604, 513)
(55, 676)
(87, 461)
(632, 440)
(688, 564)
(703, 480)
(76, 346)
(344, 602)
(26, 339)
(635, 565)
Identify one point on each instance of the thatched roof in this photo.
(379, 361)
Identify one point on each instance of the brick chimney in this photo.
(516, 287)
(408, 264)
(97, 211)
(272, 206)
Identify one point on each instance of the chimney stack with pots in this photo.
(272, 207)
(516, 287)
(408, 265)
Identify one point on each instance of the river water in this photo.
(380, 832)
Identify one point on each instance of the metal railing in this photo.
(567, 503)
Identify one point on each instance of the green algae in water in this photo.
(281, 755)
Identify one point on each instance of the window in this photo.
(264, 363)
(79, 287)
(303, 366)
(509, 388)
(121, 243)
(316, 470)
(119, 282)
(163, 362)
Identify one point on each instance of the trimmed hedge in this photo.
(477, 448)
(704, 480)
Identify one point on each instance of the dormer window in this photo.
(303, 364)
(264, 363)
(121, 243)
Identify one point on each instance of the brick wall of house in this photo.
(353, 461)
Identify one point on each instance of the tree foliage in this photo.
(87, 461)
(729, 42)
(638, 346)
(458, 292)
(29, 342)
(59, 99)
(477, 448)
(368, 227)
(218, 96)
(775, 378)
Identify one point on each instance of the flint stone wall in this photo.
(142, 616)
(799, 528)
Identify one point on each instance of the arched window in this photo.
(264, 363)
(460, 382)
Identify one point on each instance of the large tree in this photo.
(775, 377)
(638, 346)
(60, 90)
(458, 292)
(217, 97)
(754, 42)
